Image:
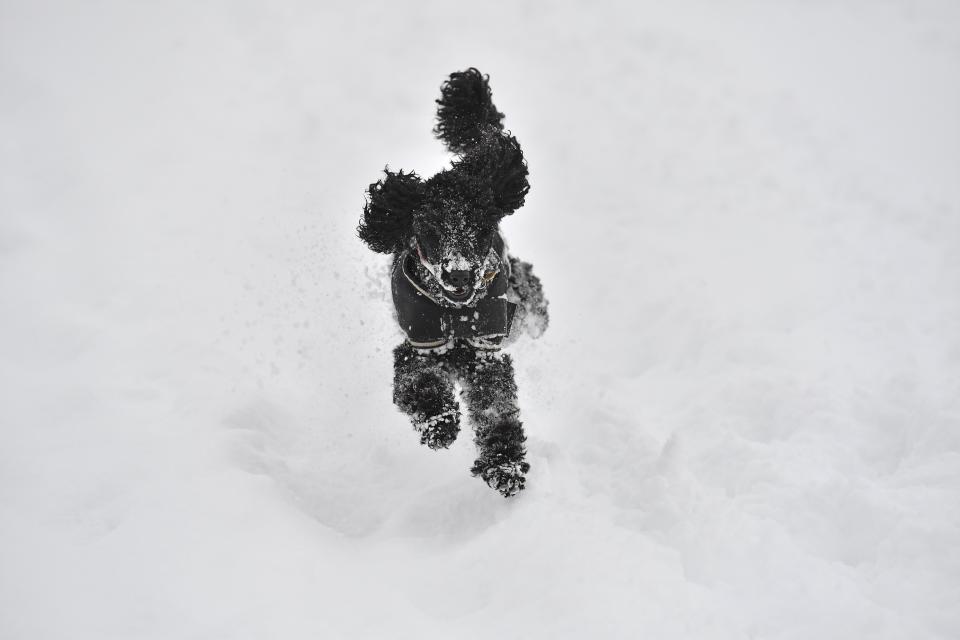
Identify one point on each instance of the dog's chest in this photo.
(428, 323)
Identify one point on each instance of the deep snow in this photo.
(744, 420)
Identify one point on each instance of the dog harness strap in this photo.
(429, 324)
(433, 344)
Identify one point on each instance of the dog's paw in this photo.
(508, 478)
(439, 431)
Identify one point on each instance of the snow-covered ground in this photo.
(744, 421)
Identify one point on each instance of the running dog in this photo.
(458, 295)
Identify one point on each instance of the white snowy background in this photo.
(744, 421)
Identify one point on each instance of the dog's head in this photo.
(450, 220)
(452, 235)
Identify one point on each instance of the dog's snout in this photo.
(459, 277)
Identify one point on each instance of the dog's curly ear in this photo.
(497, 164)
(465, 110)
(387, 214)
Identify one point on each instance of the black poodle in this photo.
(459, 296)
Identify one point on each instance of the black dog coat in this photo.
(430, 323)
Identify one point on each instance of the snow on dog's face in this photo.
(454, 242)
(450, 220)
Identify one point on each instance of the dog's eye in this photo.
(485, 241)
(429, 245)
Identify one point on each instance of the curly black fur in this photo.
(424, 389)
(447, 226)
(533, 310)
(497, 162)
(491, 397)
(465, 110)
(386, 215)
(487, 181)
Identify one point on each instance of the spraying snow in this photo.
(743, 422)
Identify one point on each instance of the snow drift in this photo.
(744, 420)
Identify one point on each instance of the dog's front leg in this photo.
(423, 389)
(491, 396)
(533, 314)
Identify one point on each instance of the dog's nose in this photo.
(459, 278)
